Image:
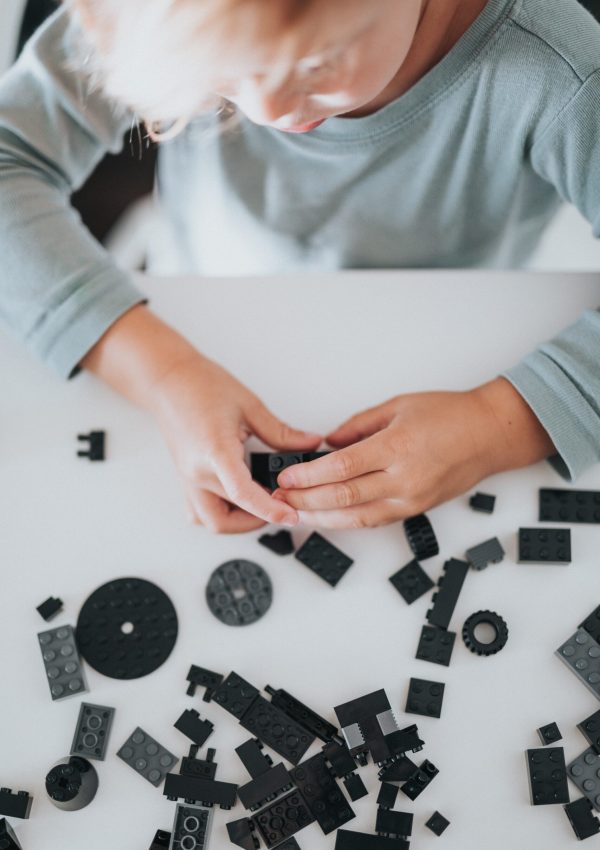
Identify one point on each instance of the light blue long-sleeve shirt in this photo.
(465, 169)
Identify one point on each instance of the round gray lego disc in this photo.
(239, 593)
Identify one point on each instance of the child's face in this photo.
(356, 50)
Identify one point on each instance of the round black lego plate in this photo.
(239, 593)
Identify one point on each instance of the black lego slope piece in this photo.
(445, 598)
(584, 822)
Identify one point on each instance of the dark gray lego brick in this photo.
(581, 654)
(147, 757)
(92, 731)
(61, 659)
(584, 771)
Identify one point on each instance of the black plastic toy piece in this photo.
(445, 598)
(8, 839)
(264, 788)
(547, 776)
(338, 756)
(584, 822)
(193, 727)
(323, 558)
(386, 798)
(486, 553)
(96, 441)
(347, 840)
(161, 840)
(590, 729)
(207, 792)
(92, 731)
(191, 827)
(241, 833)
(492, 619)
(411, 581)
(425, 698)
(303, 715)
(235, 695)
(437, 823)
(398, 771)
(391, 824)
(369, 727)
(273, 727)
(254, 760)
(549, 734)
(127, 628)
(200, 677)
(290, 844)
(544, 546)
(322, 794)
(266, 466)
(355, 787)
(50, 608)
(421, 537)
(15, 805)
(281, 542)
(72, 783)
(239, 593)
(591, 624)
(283, 819)
(570, 506)
(203, 768)
(420, 779)
(483, 502)
(436, 645)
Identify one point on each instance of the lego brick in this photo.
(591, 624)
(338, 756)
(147, 757)
(483, 502)
(322, 794)
(446, 596)
(302, 714)
(392, 824)
(590, 729)
(62, 662)
(239, 593)
(235, 695)
(421, 537)
(275, 729)
(425, 697)
(477, 646)
(544, 546)
(264, 788)
(200, 677)
(398, 771)
(15, 804)
(202, 768)
(281, 543)
(347, 840)
(266, 466)
(161, 840)
(355, 787)
(241, 833)
(403, 741)
(71, 784)
(96, 445)
(547, 776)
(436, 645)
(549, 734)
(486, 553)
(584, 822)
(437, 823)
(323, 558)
(92, 731)
(8, 839)
(356, 710)
(50, 608)
(581, 654)
(191, 827)
(386, 798)
(420, 780)
(584, 771)
(411, 582)
(282, 819)
(570, 506)
(207, 792)
(193, 727)
(254, 760)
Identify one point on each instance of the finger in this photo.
(221, 517)
(371, 515)
(191, 511)
(361, 425)
(344, 494)
(277, 434)
(370, 455)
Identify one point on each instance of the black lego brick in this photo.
(547, 776)
(425, 697)
(241, 833)
(486, 553)
(8, 839)
(252, 757)
(281, 542)
(282, 819)
(275, 729)
(393, 824)
(357, 710)
(446, 596)
(421, 537)
(161, 840)
(323, 558)
(347, 840)
(403, 741)
(420, 780)
(398, 771)
(193, 727)
(582, 819)
(437, 823)
(200, 677)
(235, 695)
(590, 729)
(549, 734)
(544, 546)
(15, 804)
(290, 844)
(483, 502)
(591, 624)
(436, 645)
(206, 791)
(92, 731)
(266, 466)
(191, 827)
(355, 787)
(322, 794)
(50, 608)
(570, 506)
(411, 582)
(302, 714)
(386, 798)
(201, 768)
(96, 445)
(264, 788)
(339, 757)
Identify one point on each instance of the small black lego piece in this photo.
(241, 833)
(436, 645)
(281, 543)
(544, 546)
(547, 776)
(193, 727)
(200, 677)
(235, 695)
(208, 792)
(489, 618)
(92, 731)
(8, 839)
(273, 727)
(50, 608)
(203, 768)
(483, 502)
(96, 441)
(72, 783)
(266, 466)
(446, 596)
(239, 593)
(369, 726)
(569, 506)
(282, 819)
(437, 823)
(398, 771)
(355, 787)
(486, 553)
(392, 824)
(549, 734)
(265, 787)
(252, 757)
(386, 798)
(323, 558)
(191, 827)
(425, 697)
(411, 581)
(15, 804)
(584, 822)
(290, 844)
(347, 840)
(421, 537)
(322, 794)
(591, 624)
(590, 729)
(161, 840)
(303, 715)
(420, 779)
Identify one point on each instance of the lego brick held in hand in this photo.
(96, 441)
(446, 596)
(572, 506)
(584, 822)
(544, 546)
(486, 553)
(50, 608)
(483, 502)
(547, 776)
(62, 662)
(281, 543)
(436, 645)
(489, 618)
(437, 823)
(239, 593)
(323, 558)
(411, 582)
(92, 731)
(421, 537)
(266, 466)
(549, 734)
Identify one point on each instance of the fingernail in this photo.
(286, 479)
(291, 519)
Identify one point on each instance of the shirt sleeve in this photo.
(59, 289)
(561, 379)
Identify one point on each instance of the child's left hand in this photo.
(413, 452)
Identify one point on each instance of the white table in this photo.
(341, 343)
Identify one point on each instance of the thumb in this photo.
(359, 426)
(277, 434)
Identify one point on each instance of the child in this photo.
(394, 133)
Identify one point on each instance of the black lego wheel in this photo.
(492, 619)
(127, 628)
(421, 537)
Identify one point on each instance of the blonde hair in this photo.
(161, 58)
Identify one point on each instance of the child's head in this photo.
(284, 63)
